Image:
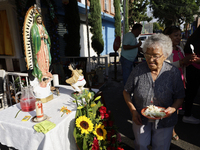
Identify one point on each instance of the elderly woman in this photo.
(154, 82)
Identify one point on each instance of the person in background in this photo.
(178, 58)
(154, 82)
(192, 76)
(129, 50)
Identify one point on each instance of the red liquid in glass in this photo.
(27, 105)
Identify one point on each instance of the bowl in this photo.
(154, 118)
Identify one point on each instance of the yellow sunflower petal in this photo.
(100, 132)
(85, 124)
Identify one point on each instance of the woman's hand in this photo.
(139, 44)
(197, 60)
(188, 59)
(170, 110)
(136, 117)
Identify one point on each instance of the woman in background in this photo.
(178, 58)
(192, 76)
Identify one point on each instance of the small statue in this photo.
(77, 80)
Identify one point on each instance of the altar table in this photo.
(21, 135)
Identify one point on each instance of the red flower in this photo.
(95, 145)
(106, 116)
(109, 140)
(102, 115)
(120, 148)
(110, 148)
(112, 131)
(113, 140)
(105, 123)
(102, 110)
(109, 134)
(110, 123)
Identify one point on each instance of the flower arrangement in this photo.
(65, 110)
(94, 126)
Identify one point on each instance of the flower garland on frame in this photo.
(94, 125)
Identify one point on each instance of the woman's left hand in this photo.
(170, 110)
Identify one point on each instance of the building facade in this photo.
(108, 28)
(12, 56)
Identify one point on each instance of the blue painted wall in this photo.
(108, 31)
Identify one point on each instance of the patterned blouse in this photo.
(167, 87)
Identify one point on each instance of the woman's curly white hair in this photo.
(160, 40)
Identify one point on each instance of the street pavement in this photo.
(189, 134)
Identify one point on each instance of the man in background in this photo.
(130, 50)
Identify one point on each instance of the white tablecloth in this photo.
(21, 135)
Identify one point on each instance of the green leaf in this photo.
(85, 146)
(75, 134)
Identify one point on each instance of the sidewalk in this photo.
(189, 134)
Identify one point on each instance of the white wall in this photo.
(83, 40)
(83, 1)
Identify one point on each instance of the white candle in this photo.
(55, 80)
(39, 110)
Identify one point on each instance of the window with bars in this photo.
(106, 5)
(112, 7)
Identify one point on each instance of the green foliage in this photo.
(126, 18)
(117, 18)
(156, 27)
(96, 26)
(138, 11)
(175, 12)
(72, 21)
(94, 110)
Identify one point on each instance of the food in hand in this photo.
(154, 111)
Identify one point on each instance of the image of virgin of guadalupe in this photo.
(41, 51)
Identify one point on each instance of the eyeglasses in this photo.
(155, 57)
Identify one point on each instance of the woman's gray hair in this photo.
(160, 40)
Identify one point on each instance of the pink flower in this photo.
(102, 110)
(95, 145)
(119, 137)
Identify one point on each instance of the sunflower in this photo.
(100, 132)
(84, 124)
